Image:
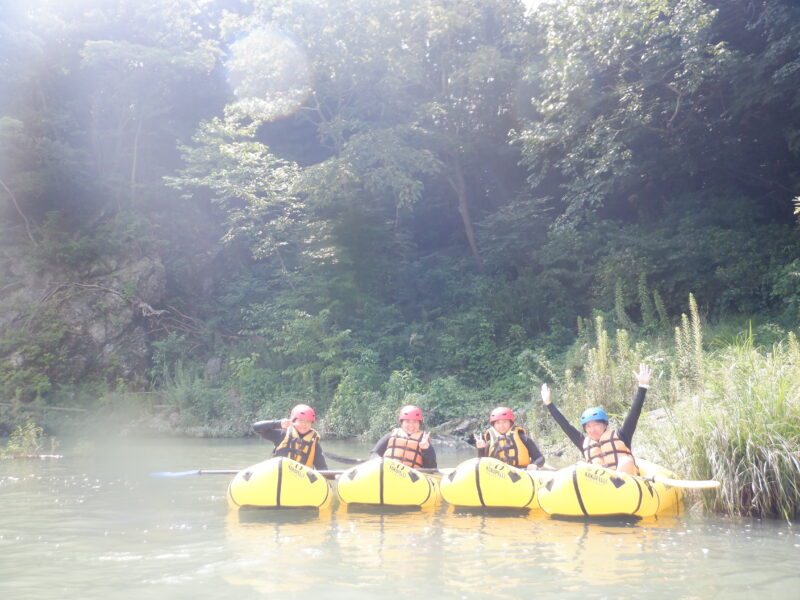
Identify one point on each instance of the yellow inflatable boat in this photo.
(585, 490)
(488, 482)
(387, 482)
(279, 483)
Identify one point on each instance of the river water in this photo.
(97, 525)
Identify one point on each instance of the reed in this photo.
(663, 317)
(742, 428)
(687, 368)
(621, 316)
(608, 373)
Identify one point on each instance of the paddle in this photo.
(345, 459)
(328, 474)
(690, 484)
(195, 472)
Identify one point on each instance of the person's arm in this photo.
(319, 459)
(632, 418)
(270, 430)
(427, 451)
(573, 434)
(429, 458)
(380, 446)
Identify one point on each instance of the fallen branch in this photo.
(36, 407)
(37, 456)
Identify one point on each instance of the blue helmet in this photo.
(594, 413)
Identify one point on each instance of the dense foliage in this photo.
(366, 203)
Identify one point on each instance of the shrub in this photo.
(355, 397)
(26, 440)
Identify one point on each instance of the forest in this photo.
(211, 210)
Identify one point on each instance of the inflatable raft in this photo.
(488, 482)
(387, 482)
(279, 483)
(585, 490)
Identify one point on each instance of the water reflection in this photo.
(460, 551)
(349, 549)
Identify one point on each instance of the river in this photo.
(97, 525)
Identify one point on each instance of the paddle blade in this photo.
(174, 473)
(707, 484)
(196, 472)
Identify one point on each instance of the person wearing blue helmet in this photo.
(599, 443)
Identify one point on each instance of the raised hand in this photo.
(644, 375)
(546, 394)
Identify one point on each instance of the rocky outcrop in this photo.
(67, 327)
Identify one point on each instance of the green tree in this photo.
(640, 100)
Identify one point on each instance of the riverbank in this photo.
(728, 412)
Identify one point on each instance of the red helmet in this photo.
(500, 413)
(304, 412)
(410, 413)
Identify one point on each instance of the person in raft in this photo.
(601, 444)
(408, 443)
(508, 442)
(294, 438)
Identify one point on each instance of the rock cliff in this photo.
(59, 327)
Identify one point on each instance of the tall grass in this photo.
(608, 373)
(731, 414)
(743, 428)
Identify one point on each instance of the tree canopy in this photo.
(407, 191)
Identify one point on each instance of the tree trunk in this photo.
(456, 179)
(134, 161)
(21, 214)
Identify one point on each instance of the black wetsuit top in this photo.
(625, 432)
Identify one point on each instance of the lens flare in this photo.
(268, 73)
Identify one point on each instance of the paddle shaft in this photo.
(328, 473)
(684, 483)
(688, 484)
(345, 459)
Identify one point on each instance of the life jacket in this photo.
(302, 448)
(508, 448)
(606, 450)
(405, 448)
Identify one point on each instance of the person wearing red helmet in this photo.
(408, 443)
(600, 444)
(507, 442)
(294, 438)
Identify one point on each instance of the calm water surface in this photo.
(96, 524)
